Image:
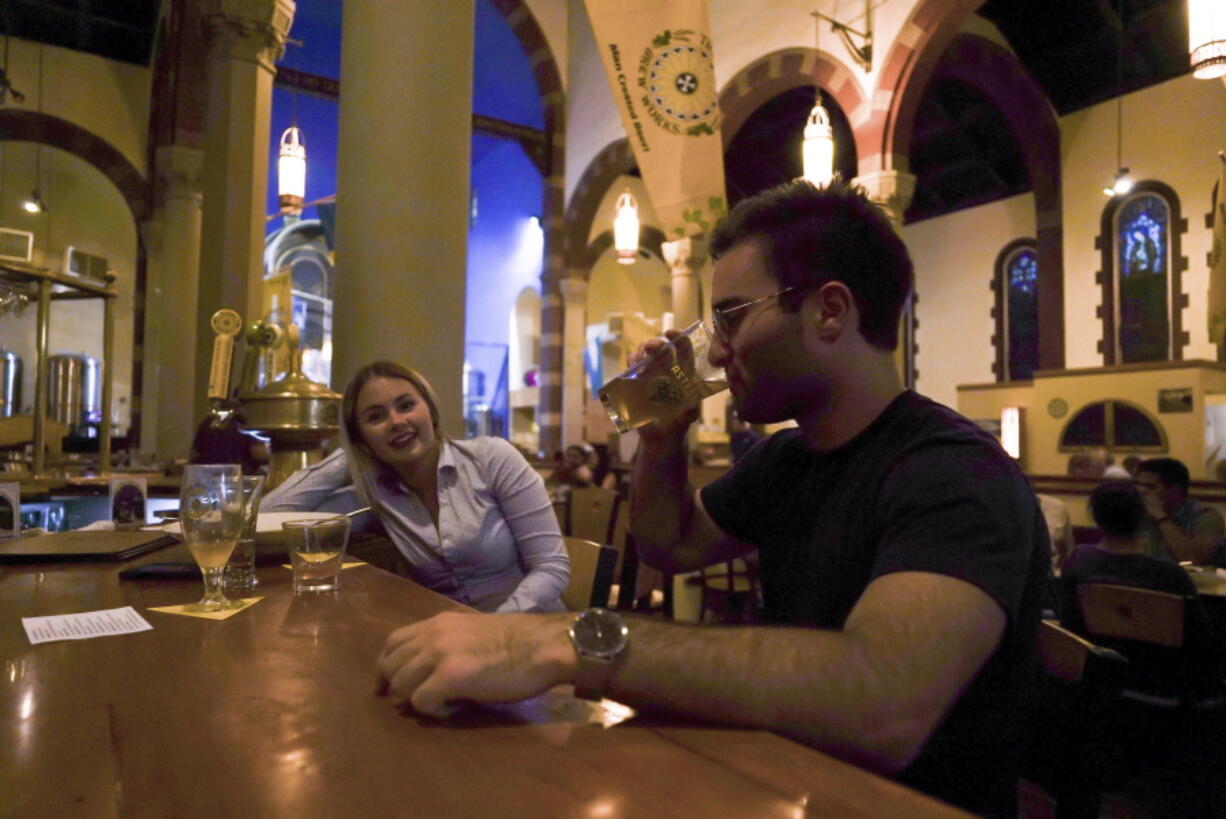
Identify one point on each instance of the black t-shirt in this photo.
(921, 489)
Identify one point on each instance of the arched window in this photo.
(1016, 284)
(1115, 425)
(1142, 293)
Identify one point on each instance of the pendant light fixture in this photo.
(1207, 38)
(818, 147)
(626, 228)
(291, 171)
(1123, 182)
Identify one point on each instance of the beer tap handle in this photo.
(226, 323)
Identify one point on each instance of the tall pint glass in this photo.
(662, 386)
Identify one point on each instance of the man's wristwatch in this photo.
(599, 637)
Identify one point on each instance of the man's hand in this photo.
(1153, 505)
(688, 414)
(452, 657)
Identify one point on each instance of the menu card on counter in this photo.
(84, 625)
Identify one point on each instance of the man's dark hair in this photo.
(1170, 471)
(815, 235)
(1117, 508)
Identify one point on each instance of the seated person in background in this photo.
(742, 437)
(602, 467)
(471, 518)
(903, 554)
(1180, 528)
(1122, 558)
(1114, 471)
(573, 471)
(1059, 528)
(220, 439)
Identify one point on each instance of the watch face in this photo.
(600, 632)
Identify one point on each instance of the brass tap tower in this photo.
(295, 413)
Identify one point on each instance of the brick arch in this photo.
(32, 126)
(769, 76)
(903, 79)
(553, 101)
(613, 161)
(44, 129)
(997, 76)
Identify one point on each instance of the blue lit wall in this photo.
(504, 247)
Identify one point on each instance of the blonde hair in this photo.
(364, 467)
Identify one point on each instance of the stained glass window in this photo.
(1021, 278)
(1142, 235)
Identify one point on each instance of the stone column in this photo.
(245, 39)
(574, 338)
(403, 191)
(685, 258)
(553, 319)
(892, 191)
(171, 299)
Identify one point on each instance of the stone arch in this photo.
(44, 129)
(613, 161)
(779, 71)
(904, 76)
(549, 84)
(32, 126)
(997, 75)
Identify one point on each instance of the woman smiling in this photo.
(471, 518)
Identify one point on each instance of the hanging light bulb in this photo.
(818, 147)
(626, 229)
(1122, 184)
(1207, 38)
(35, 203)
(291, 171)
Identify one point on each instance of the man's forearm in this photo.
(821, 688)
(1183, 546)
(661, 499)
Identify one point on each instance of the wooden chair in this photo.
(644, 594)
(1165, 637)
(591, 574)
(592, 513)
(1074, 753)
(730, 592)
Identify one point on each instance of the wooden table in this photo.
(272, 713)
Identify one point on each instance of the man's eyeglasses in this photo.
(725, 320)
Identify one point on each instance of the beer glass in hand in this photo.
(211, 514)
(666, 384)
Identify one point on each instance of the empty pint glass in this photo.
(664, 385)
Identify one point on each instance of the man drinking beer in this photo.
(902, 551)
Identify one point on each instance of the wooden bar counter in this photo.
(272, 713)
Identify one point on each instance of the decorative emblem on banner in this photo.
(677, 73)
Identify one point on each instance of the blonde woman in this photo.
(471, 518)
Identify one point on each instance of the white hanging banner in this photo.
(658, 58)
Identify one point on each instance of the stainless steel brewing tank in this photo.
(75, 396)
(10, 383)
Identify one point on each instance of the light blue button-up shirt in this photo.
(497, 546)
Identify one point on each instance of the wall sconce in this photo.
(1011, 431)
(862, 53)
(626, 229)
(291, 171)
(1207, 38)
(818, 146)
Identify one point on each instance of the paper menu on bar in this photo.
(84, 625)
